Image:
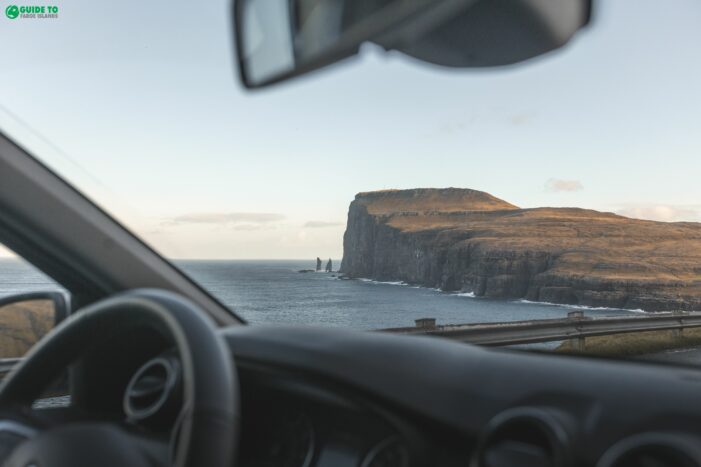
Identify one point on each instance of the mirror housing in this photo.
(26, 318)
(279, 39)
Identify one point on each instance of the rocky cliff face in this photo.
(467, 240)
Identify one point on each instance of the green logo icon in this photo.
(12, 11)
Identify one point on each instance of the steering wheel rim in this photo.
(208, 423)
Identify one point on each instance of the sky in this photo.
(138, 104)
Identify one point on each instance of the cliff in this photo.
(23, 324)
(470, 241)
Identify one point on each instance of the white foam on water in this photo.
(363, 279)
(465, 294)
(583, 307)
(523, 300)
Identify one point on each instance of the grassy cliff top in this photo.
(422, 200)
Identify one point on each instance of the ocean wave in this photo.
(584, 307)
(363, 279)
(465, 294)
(523, 300)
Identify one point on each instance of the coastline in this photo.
(506, 300)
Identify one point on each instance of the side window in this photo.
(30, 306)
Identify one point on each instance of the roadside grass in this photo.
(634, 343)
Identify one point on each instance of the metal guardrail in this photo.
(6, 364)
(575, 326)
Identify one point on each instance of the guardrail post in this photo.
(425, 323)
(577, 343)
(679, 332)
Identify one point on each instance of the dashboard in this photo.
(291, 423)
(287, 421)
(425, 401)
(322, 398)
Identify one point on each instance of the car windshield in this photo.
(383, 192)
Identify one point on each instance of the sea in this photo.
(275, 292)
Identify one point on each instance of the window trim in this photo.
(64, 234)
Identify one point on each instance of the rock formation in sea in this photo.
(470, 241)
(329, 266)
(318, 263)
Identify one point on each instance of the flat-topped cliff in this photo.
(470, 241)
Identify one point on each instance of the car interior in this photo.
(157, 371)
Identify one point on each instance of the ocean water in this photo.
(273, 291)
(17, 276)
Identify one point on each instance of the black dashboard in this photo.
(293, 423)
(370, 399)
(323, 398)
(287, 420)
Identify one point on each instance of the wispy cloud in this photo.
(226, 218)
(664, 213)
(556, 185)
(521, 119)
(451, 127)
(249, 226)
(321, 224)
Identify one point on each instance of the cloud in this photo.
(557, 185)
(248, 226)
(243, 220)
(321, 224)
(521, 119)
(451, 127)
(664, 213)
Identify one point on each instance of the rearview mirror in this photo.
(26, 318)
(279, 39)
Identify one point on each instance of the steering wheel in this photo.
(208, 422)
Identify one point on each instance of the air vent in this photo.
(654, 450)
(152, 389)
(389, 452)
(524, 437)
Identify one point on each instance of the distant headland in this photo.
(470, 241)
